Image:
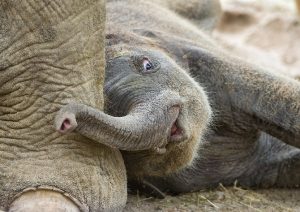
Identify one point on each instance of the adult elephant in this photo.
(51, 52)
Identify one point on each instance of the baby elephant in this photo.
(153, 102)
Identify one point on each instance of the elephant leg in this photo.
(276, 164)
(263, 163)
(271, 102)
(221, 159)
(289, 172)
(52, 52)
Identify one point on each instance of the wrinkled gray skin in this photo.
(51, 53)
(256, 113)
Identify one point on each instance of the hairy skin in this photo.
(51, 53)
(255, 134)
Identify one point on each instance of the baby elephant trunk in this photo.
(148, 125)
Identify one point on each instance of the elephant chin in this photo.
(44, 200)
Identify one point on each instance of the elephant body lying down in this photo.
(152, 52)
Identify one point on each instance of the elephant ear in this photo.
(52, 53)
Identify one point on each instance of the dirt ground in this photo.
(266, 33)
(263, 32)
(221, 199)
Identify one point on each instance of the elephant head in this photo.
(52, 52)
(152, 104)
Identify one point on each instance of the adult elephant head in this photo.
(51, 52)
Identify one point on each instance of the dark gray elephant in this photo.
(155, 48)
(256, 118)
(52, 52)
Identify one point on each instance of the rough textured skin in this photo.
(51, 52)
(255, 111)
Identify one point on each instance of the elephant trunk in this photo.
(148, 125)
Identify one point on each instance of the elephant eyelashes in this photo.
(144, 65)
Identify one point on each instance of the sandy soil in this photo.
(261, 32)
(266, 33)
(221, 199)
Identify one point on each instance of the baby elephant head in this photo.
(154, 111)
(172, 106)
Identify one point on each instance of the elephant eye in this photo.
(148, 66)
(144, 65)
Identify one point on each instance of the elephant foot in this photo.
(46, 200)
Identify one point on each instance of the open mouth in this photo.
(176, 132)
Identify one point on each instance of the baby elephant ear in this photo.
(65, 122)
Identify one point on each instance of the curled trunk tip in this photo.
(65, 122)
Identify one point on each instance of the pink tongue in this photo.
(173, 129)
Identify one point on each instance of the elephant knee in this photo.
(289, 173)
